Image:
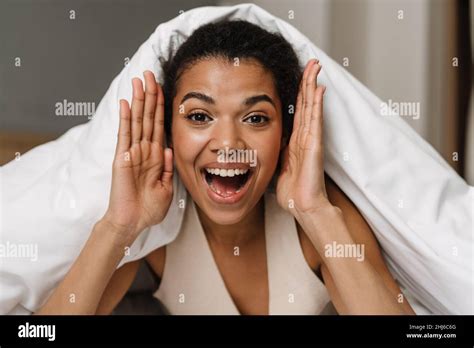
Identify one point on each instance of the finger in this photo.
(300, 104)
(123, 141)
(150, 104)
(159, 122)
(304, 83)
(308, 104)
(316, 127)
(316, 135)
(167, 175)
(137, 110)
(306, 73)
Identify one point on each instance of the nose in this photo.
(226, 133)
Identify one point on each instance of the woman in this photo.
(248, 244)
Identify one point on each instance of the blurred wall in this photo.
(64, 58)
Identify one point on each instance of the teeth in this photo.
(226, 172)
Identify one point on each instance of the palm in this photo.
(138, 174)
(142, 171)
(301, 182)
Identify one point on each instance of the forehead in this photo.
(223, 78)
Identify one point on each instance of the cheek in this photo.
(268, 151)
(187, 144)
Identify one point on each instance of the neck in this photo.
(239, 233)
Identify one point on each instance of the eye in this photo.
(198, 117)
(257, 119)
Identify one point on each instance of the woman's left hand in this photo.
(300, 187)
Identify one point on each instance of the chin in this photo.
(224, 218)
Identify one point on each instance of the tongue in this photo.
(226, 185)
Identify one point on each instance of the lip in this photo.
(235, 197)
(229, 165)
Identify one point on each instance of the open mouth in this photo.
(227, 185)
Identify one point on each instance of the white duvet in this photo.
(420, 210)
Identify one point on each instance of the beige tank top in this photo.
(192, 284)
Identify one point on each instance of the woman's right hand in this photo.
(142, 172)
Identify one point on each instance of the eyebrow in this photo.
(247, 102)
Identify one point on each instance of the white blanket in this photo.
(420, 210)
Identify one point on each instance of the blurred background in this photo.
(59, 51)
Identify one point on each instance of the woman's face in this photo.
(226, 135)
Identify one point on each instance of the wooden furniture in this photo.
(13, 144)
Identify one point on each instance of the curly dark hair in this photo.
(237, 39)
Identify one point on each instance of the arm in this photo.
(81, 290)
(140, 196)
(356, 287)
(359, 287)
(362, 235)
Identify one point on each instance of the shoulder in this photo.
(117, 287)
(338, 198)
(156, 259)
(358, 228)
(356, 223)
